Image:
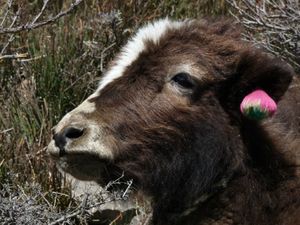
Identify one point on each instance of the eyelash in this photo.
(184, 80)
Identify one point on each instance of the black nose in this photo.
(61, 138)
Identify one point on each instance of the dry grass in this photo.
(60, 66)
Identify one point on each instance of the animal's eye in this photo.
(184, 80)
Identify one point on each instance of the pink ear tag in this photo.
(258, 105)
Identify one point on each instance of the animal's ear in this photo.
(256, 70)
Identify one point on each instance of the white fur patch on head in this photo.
(130, 52)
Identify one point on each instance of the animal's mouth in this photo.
(84, 165)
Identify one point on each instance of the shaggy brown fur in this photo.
(189, 148)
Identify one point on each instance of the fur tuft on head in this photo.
(137, 44)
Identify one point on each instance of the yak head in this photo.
(166, 113)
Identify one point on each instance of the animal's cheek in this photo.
(173, 95)
(92, 142)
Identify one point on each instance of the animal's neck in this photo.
(246, 201)
(262, 195)
(264, 154)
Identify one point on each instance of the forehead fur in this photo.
(130, 52)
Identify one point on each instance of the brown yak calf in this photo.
(167, 115)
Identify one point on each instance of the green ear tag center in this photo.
(256, 113)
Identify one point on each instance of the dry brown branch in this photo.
(9, 3)
(1, 163)
(271, 24)
(6, 131)
(14, 56)
(11, 24)
(28, 204)
(88, 204)
(35, 24)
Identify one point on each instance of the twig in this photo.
(103, 55)
(32, 59)
(33, 25)
(129, 184)
(116, 219)
(45, 200)
(9, 2)
(273, 24)
(12, 36)
(63, 218)
(1, 163)
(111, 183)
(84, 207)
(78, 212)
(31, 166)
(14, 56)
(41, 12)
(6, 131)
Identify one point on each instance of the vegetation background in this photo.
(47, 71)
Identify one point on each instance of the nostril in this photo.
(72, 132)
(60, 140)
(62, 137)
